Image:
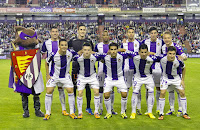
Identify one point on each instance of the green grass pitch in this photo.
(11, 108)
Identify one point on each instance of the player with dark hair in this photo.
(172, 68)
(51, 47)
(61, 59)
(103, 47)
(143, 75)
(167, 38)
(76, 44)
(131, 44)
(87, 75)
(154, 47)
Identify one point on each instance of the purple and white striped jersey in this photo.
(179, 50)
(50, 46)
(171, 70)
(154, 46)
(115, 66)
(101, 48)
(60, 64)
(130, 46)
(143, 68)
(87, 66)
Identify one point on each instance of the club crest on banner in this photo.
(26, 64)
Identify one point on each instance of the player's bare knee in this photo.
(96, 92)
(49, 90)
(70, 90)
(80, 93)
(162, 93)
(182, 93)
(106, 95)
(124, 94)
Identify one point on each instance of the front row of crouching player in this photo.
(114, 61)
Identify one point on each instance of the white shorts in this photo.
(128, 77)
(138, 82)
(101, 79)
(60, 82)
(120, 84)
(157, 74)
(172, 88)
(165, 83)
(92, 81)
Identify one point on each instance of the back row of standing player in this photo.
(155, 46)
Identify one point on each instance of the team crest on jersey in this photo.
(158, 44)
(119, 60)
(26, 64)
(148, 62)
(135, 45)
(92, 61)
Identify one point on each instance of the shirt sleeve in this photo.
(179, 50)
(75, 58)
(156, 58)
(73, 52)
(100, 56)
(44, 48)
(96, 49)
(182, 65)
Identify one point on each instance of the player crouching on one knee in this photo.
(61, 75)
(172, 68)
(87, 75)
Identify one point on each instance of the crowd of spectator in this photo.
(117, 31)
(134, 4)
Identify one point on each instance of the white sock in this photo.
(62, 98)
(139, 100)
(71, 101)
(96, 103)
(112, 97)
(123, 104)
(179, 102)
(161, 105)
(79, 104)
(48, 102)
(184, 104)
(127, 100)
(134, 101)
(157, 99)
(101, 101)
(150, 101)
(108, 105)
(171, 100)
